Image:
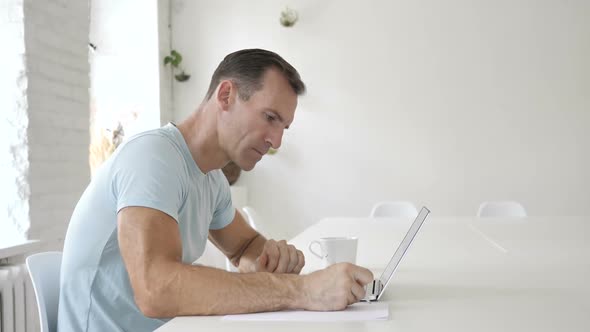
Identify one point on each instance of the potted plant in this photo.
(288, 17)
(174, 59)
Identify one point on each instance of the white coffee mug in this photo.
(335, 249)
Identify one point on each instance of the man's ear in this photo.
(225, 94)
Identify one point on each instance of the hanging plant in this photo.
(288, 17)
(175, 59)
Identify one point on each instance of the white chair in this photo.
(501, 209)
(44, 271)
(251, 217)
(399, 209)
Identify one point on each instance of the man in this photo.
(150, 208)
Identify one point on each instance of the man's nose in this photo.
(275, 138)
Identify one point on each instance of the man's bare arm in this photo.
(251, 252)
(239, 242)
(163, 286)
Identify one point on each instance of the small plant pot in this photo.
(182, 77)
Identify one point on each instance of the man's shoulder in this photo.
(152, 144)
(154, 138)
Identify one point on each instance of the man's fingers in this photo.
(362, 276)
(300, 262)
(273, 255)
(358, 291)
(351, 298)
(293, 258)
(262, 261)
(283, 257)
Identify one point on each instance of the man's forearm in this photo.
(247, 261)
(182, 289)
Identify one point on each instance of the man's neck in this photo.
(200, 134)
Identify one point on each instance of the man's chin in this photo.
(246, 166)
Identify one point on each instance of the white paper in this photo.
(355, 312)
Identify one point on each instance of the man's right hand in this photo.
(335, 287)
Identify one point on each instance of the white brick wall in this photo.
(48, 118)
(56, 42)
(44, 88)
(14, 153)
(164, 45)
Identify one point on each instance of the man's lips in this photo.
(262, 154)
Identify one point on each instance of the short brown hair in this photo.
(246, 67)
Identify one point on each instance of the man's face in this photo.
(252, 127)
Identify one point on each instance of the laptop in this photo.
(375, 289)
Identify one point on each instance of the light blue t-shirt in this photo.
(153, 169)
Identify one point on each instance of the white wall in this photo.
(125, 68)
(165, 73)
(445, 103)
(44, 95)
(56, 41)
(46, 107)
(14, 151)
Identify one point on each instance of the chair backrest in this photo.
(44, 271)
(501, 209)
(250, 215)
(400, 209)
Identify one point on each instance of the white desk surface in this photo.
(460, 274)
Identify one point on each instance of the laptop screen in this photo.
(404, 245)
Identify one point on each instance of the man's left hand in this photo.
(280, 257)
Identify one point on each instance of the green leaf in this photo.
(174, 59)
(178, 58)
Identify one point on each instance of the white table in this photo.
(460, 274)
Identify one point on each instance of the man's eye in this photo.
(269, 117)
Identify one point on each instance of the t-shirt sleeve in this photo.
(224, 211)
(148, 172)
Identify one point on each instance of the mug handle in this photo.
(313, 252)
